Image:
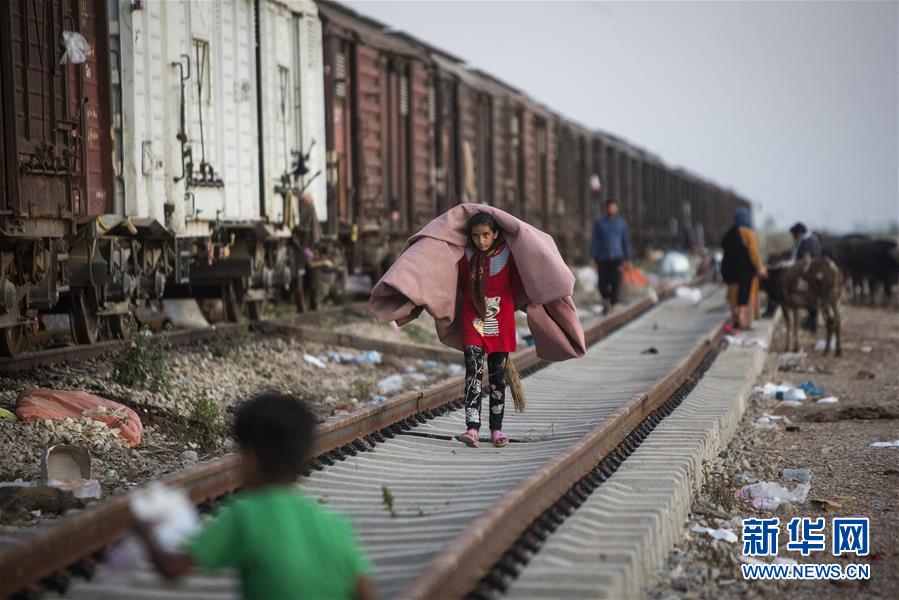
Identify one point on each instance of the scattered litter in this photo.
(784, 391)
(587, 278)
(391, 385)
(865, 375)
(455, 370)
(820, 345)
(865, 349)
(894, 444)
(746, 342)
(792, 428)
(184, 314)
(38, 404)
(68, 468)
(314, 360)
(77, 48)
(430, 364)
(768, 422)
(801, 475)
(675, 264)
(828, 400)
(633, 277)
(831, 505)
(688, 295)
(786, 360)
(378, 399)
(719, 534)
(598, 309)
(811, 388)
(651, 350)
(173, 517)
(767, 495)
(83, 489)
(369, 357)
(5, 414)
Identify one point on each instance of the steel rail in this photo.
(471, 555)
(51, 549)
(179, 337)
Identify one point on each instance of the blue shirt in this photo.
(610, 239)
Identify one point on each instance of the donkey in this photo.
(811, 284)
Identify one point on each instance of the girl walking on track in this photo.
(489, 281)
(486, 264)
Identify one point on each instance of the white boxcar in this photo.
(189, 129)
(293, 109)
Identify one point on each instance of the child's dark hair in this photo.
(279, 429)
(482, 218)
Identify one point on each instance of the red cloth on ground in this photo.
(498, 329)
(39, 403)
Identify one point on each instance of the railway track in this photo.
(456, 511)
(178, 337)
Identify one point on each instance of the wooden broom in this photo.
(513, 381)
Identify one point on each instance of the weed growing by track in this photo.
(362, 389)
(142, 365)
(387, 500)
(221, 347)
(203, 426)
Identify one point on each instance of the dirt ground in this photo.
(222, 373)
(833, 441)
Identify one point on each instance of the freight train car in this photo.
(56, 176)
(380, 112)
(164, 148)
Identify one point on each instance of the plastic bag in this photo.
(33, 404)
(633, 277)
(77, 48)
(767, 495)
(173, 517)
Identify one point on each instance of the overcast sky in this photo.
(792, 104)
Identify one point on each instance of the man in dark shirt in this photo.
(609, 251)
(806, 244)
(806, 247)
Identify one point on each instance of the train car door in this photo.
(484, 147)
(517, 156)
(371, 163)
(339, 93)
(446, 149)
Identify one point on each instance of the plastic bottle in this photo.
(802, 475)
(791, 394)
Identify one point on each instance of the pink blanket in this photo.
(426, 275)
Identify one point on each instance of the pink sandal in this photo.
(470, 438)
(499, 438)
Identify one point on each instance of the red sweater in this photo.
(496, 333)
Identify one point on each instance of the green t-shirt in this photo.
(284, 545)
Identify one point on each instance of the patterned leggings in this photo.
(474, 374)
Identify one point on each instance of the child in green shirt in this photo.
(284, 544)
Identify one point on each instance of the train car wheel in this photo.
(232, 303)
(83, 315)
(11, 341)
